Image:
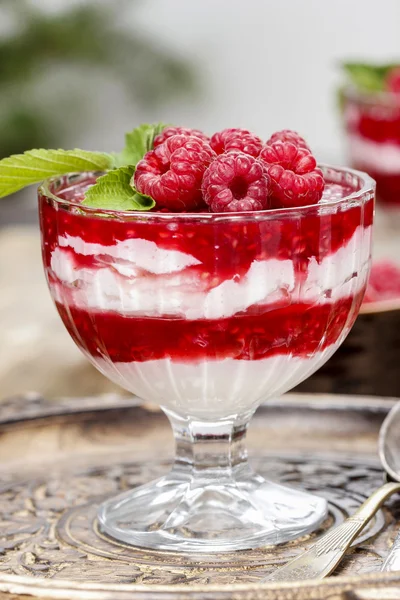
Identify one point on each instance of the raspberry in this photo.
(236, 182)
(170, 131)
(236, 139)
(287, 135)
(172, 173)
(295, 178)
(384, 282)
(393, 80)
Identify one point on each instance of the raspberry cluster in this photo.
(393, 81)
(233, 171)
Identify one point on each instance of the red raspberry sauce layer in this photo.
(225, 248)
(377, 123)
(387, 185)
(299, 329)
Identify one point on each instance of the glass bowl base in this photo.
(177, 514)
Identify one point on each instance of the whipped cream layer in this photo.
(381, 157)
(136, 277)
(212, 389)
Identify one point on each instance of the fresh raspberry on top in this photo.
(295, 177)
(393, 81)
(172, 173)
(236, 182)
(170, 131)
(287, 135)
(240, 140)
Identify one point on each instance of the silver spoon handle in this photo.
(392, 562)
(323, 556)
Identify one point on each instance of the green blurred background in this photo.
(41, 104)
(59, 72)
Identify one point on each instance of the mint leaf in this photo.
(138, 142)
(366, 77)
(21, 170)
(113, 191)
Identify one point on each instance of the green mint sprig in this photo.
(367, 77)
(114, 191)
(21, 170)
(138, 142)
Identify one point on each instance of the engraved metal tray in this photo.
(58, 460)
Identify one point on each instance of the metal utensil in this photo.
(389, 454)
(324, 556)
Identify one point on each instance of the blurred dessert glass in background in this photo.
(367, 362)
(370, 103)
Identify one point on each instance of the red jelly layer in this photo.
(225, 248)
(298, 329)
(377, 122)
(387, 185)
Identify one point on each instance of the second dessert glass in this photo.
(372, 128)
(208, 315)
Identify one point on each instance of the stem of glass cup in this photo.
(210, 450)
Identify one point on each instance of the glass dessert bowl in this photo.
(208, 315)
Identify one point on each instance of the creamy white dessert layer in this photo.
(382, 157)
(212, 389)
(137, 277)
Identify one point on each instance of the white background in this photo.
(263, 64)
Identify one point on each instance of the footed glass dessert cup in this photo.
(209, 315)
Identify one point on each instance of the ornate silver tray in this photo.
(58, 460)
